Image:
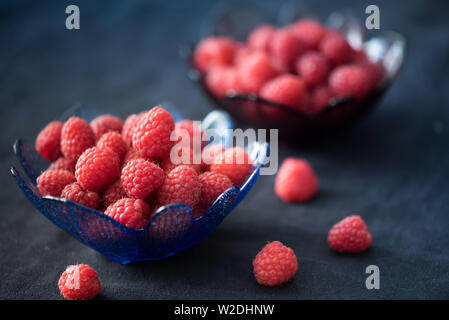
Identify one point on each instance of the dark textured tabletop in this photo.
(392, 168)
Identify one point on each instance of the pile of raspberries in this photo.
(301, 66)
(125, 169)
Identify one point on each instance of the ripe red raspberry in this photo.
(128, 128)
(114, 141)
(141, 177)
(222, 81)
(114, 193)
(132, 154)
(48, 141)
(105, 123)
(286, 47)
(97, 167)
(375, 72)
(310, 33)
(256, 71)
(296, 181)
(350, 235)
(129, 212)
(336, 48)
(186, 156)
(151, 137)
(350, 81)
(63, 164)
(212, 186)
(260, 37)
(76, 193)
(76, 137)
(194, 132)
(288, 90)
(214, 51)
(181, 185)
(313, 67)
(274, 264)
(79, 282)
(320, 98)
(51, 182)
(209, 153)
(234, 163)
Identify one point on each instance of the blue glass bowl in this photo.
(171, 230)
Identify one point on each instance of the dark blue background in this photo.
(392, 168)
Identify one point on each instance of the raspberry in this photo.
(320, 98)
(186, 157)
(48, 141)
(257, 69)
(151, 137)
(375, 72)
(76, 137)
(140, 177)
(313, 67)
(350, 235)
(212, 186)
(114, 141)
(76, 193)
(129, 212)
(132, 154)
(214, 51)
(233, 163)
(310, 33)
(105, 123)
(63, 164)
(288, 90)
(209, 153)
(96, 168)
(51, 182)
(194, 131)
(79, 282)
(128, 128)
(113, 193)
(336, 48)
(350, 81)
(181, 185)
(260, 37)
(274, 264)
(198, 211)
(296, 181)
(222, 81)
(286, 47)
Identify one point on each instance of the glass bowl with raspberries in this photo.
(304, 76)
(141, 189)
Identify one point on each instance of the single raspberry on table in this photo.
(63, 164)
(76, 193)
(214, 51)
(274, 264)
(113, 140)
(140, 177)
(129, 212)
(186, 156)
(213, 184)
(76, 136)
(105, 123)
(350, 81)
(151, 137)
(255, 71)
(181, 185)
(350, 235)
(313, 67)
(260, 37)
(310, 32)
(97, 168)
(286, 47)
(295, 181)
(234, 163)
(128, 128)
(287, 89)
(51, 182)
(222, 81)
(113, 193)
(79, 282)
(209, 153)
(48, 141)
(336, 48)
